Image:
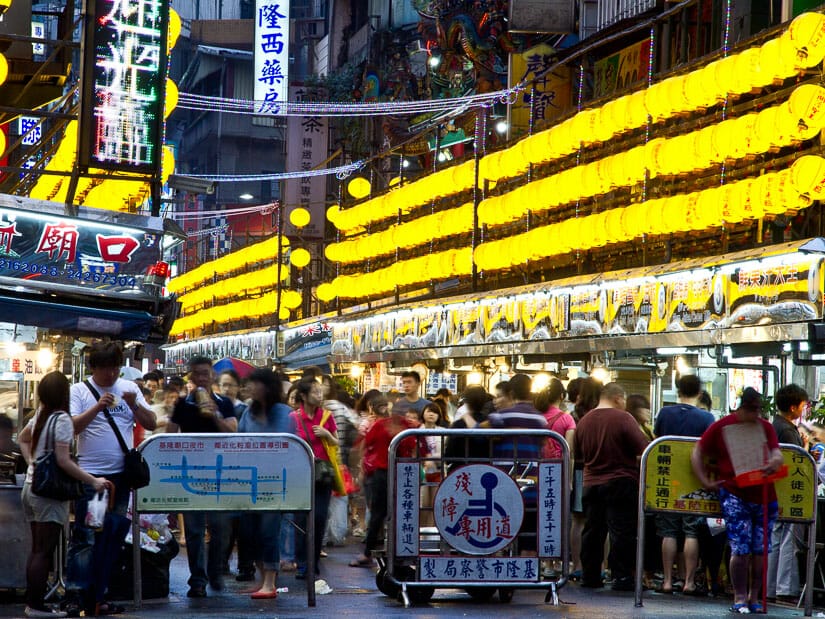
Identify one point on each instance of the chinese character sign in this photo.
(479, 569)
(549, 510)
(306, 150)
(478, 509)
(407, 478)
(124, 85)
(271, 55)
(31, 130)
(551, 96)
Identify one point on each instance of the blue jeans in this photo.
(264, 529)
(91, 555)
(288, 537)
(322, 496)
(203, 570)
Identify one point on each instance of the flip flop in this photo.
(741, 609)
(264, 595)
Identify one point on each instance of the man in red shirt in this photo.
(742, 507)
(374, 467)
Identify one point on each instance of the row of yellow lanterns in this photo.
(247, 308)
(800, 118)
(242, 285)
(440, 265)
(442, 183)
(769, 194)
(801, 46)
(265, 251)
(417, 232)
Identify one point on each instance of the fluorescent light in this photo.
(246, 196)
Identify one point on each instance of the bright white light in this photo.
(502, 126)
(442, 156)
(682, 366)
(246, 196)
(601, 374)
(356, 370)
(405, 163)
(540, 381)
(45, 358)
(475, 378)
(15, 348)
(673, 350)
(434, 61)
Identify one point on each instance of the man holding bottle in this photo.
(204, 411)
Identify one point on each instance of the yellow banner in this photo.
(671, 486)
(551, 97)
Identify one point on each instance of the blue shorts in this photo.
(745, 525)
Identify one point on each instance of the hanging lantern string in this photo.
(327, 108)
(344, 170)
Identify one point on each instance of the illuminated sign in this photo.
(123, 85)
(271, 55)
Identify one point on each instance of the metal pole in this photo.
(640, 530)
(137, 576)
(310, 545)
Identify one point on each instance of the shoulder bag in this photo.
(135, 468)
(339, 484)
(49, 479)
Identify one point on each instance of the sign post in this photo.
(227, 472)
(667, 484)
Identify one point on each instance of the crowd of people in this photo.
(607, 431)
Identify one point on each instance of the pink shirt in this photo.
(557, 421)
(303, 424)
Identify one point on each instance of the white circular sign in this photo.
(478, 509)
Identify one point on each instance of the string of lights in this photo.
(264, 209)
(344, 170)
(328, 108)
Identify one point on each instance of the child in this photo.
(432, 416)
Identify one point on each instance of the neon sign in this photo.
(123, 85)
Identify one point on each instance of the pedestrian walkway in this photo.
(354, 594)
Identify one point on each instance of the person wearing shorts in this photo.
(743, 508)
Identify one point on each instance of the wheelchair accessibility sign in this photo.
(478, 509)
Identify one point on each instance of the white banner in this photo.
(271, 55)
(407, 478)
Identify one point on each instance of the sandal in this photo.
(108, 608)
(741, 609)
(755, 607)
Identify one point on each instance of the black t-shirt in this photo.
(188, 416)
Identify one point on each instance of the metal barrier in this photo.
(227, 472)
(496, 518)
(669, 485)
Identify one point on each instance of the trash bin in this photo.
(154, 572)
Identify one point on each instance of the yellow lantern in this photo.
(807, 36)
(174, 29)
(808, 176)
(167, 164)
(656, 102)
(299, 217)
(726, 75)
(291, 299)
(766, 127)
(618, 113)
(757, 193)
(2, 142)
(707, 209)
(171, 101)
(283, 313)
(299, 257)
(358, 187)
(694, 92)
(4, 68)
(636, 110)
(807, 105)
(747, 72)
(775, 64)
(604, 127)
(710, 82)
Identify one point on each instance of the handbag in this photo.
(49, 479)
(339, 486)
(327, 472)
(135, 468)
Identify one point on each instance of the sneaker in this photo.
(36, 612)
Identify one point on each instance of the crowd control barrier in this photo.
(667, 484)
(226, 472)
(493, 519)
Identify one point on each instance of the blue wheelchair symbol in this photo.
(481, 508)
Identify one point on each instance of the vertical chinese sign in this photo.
(551, 96)
(306, 150)
(124, 78)
(271, 55)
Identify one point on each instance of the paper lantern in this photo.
(808, 176)
(748, 73)
(775, 64)
(291, 299)
(726, 140)
(2, 142)
(283, 313)
(4, 68)
(171, 101)
(167, 163)
(325, 292)
(358, 187)
(299, 257)
(174, 29)
(694, 91)
(807, 105)
(299, 217)
(706, 212)
(726, 75)
(807, 36)
(756, 194)
(636, 111)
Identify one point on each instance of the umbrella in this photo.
(243, 368)
(130, 373)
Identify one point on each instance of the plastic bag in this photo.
(96, 510)
(716, 525)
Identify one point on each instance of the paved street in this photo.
(354, 594)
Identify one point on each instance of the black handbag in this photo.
(50, 480)
(135, 468)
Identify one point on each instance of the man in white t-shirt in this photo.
(99, 452)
